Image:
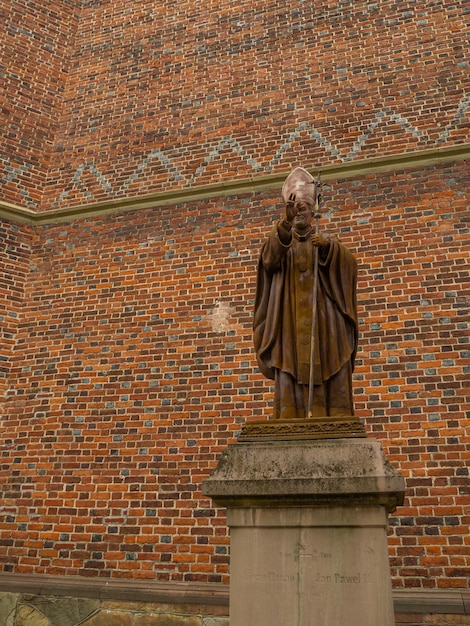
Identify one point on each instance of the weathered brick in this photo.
(126, 363)
(103, 478)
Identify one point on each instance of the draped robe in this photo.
(283, 316)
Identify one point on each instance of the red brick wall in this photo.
(160, 96)
(134, 369)
(413, 372)
(15, 251)
(37, 38)
(126, 354)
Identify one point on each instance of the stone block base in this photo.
(308, 531)
(310, 566)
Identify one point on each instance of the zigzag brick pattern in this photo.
(133, 368)
(126, 357)
(112, 101)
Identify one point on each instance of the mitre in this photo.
(300, 184)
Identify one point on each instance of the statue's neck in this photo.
(304, 234)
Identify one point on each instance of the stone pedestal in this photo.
(308, 522)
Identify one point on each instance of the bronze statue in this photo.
(306, 282)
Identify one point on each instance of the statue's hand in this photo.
(318, 240)
(291, 211)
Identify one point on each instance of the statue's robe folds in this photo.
(283, 324)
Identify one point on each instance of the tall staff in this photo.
(314, 303)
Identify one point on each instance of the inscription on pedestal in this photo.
(303, 572)
(269, 577)
(321, 573)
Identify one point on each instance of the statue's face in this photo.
(303, 215)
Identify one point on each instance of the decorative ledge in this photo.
(115, 589)
(419, 601)
(348, 169)
(437, 601)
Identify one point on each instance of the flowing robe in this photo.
(283, 314)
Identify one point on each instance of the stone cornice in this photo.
(440, 601)
(115, 589)
(338, 171)
(420, 601)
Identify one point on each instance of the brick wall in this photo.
(150, 96)
(37, 38)
(127, 361)
(15, 250)
(412, 376)
(134, 368)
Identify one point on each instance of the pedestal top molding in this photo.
(319, 472)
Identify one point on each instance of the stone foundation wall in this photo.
(426, 619)
(451, 608)
(28, 610)
(58, 601)
(433, 607)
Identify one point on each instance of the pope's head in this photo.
(300, 193)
